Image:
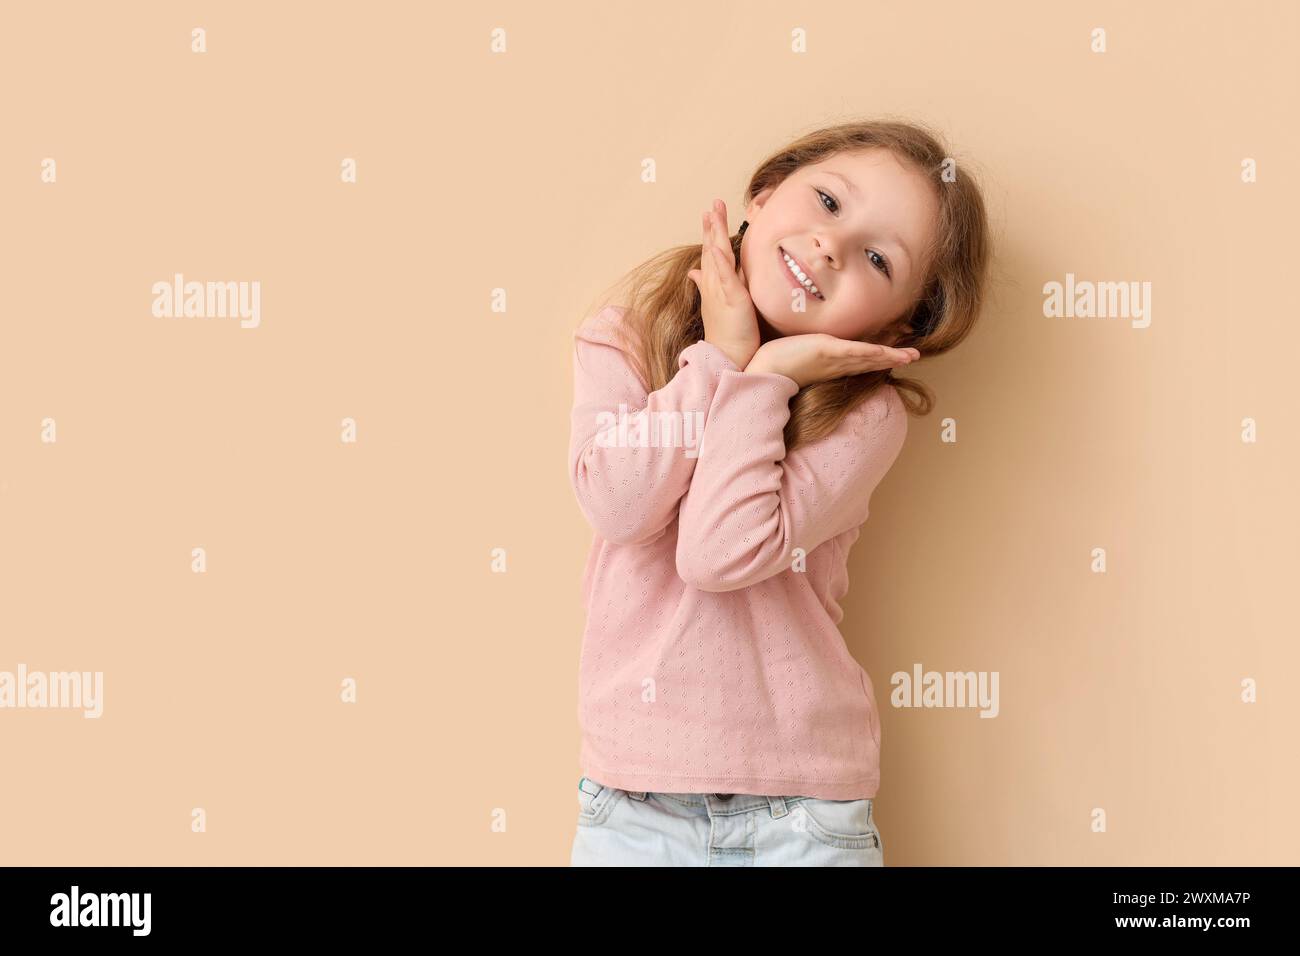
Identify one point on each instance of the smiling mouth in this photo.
(806, 283)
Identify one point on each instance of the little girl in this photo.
(730, 423)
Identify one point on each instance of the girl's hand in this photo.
(818, 357)
(730, 320)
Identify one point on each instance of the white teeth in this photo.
(799, 274)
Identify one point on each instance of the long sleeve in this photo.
(750, 505)
(632, 454)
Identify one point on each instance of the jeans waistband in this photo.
(726, 804)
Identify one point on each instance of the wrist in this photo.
(763, 365)
(737, 355)
(759, 364)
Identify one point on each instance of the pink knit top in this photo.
(712, 660)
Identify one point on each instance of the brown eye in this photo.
(884, 263)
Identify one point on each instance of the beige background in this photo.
(521, 171)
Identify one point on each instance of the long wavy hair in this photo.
(663, 304)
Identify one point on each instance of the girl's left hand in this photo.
(819, 357)
(730, 319)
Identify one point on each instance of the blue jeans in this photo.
(631, 828)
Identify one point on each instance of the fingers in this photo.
(722, 235)
(868, 356)
(888, 352)
(702, 277)
(729, 277)
(895, 357)
(725, 271)
(697, 275)
(708, 258)
(718, 269)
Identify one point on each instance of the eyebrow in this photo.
(856, 192)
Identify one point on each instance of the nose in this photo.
(821, 249)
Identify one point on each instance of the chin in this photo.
(771, 330)
(785, 323)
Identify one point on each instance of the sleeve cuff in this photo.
(708, 355)
(773, 385)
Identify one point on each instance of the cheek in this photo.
(853, 316)
(768, 285)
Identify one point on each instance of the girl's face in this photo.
(857, 225)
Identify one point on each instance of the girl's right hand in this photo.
(730, 319)
(819, 357)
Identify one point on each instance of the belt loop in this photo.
(778, 807)
(638, 795)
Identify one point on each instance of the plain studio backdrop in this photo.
(503, 148)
